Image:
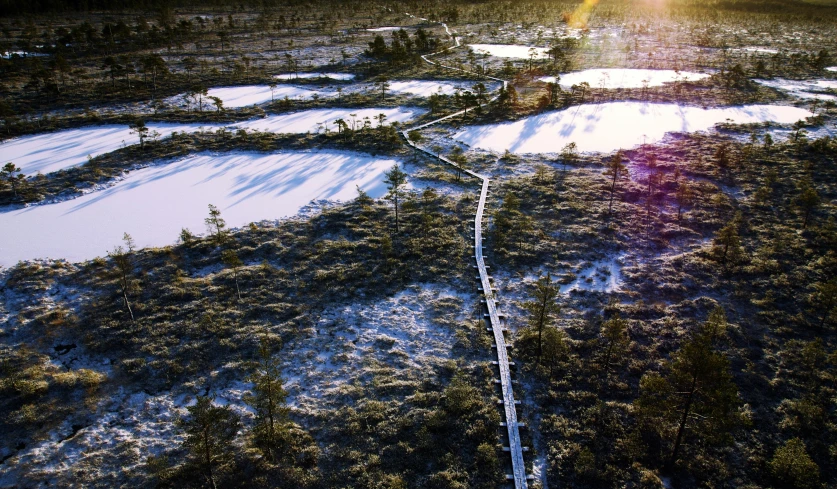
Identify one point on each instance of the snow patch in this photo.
(805, 89)
(598, 276)
(510, 50)
(611, 126)
(624, 78)
(154, 203)
(305, 76)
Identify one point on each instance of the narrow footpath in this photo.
(511, 423)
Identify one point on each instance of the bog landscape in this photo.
(438, 244)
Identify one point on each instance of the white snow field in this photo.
(154, 203)
(610, 126)
(426, 88)
(312, 120)
(54, 151)
(58, 150)
(509, 50)
(385, 29)
(306, 76)
(246, 95)
(831, 68)
(805, 89)
(623, 78)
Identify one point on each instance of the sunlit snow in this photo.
(154, 203)
(624, 78)
(425, 88)
(54, 151)
(805, 89)
(297, 76)
(509, 50)
(384, 29)
(610, 126)
(831, 68)
(316, 119)
(258, 94)
(58, 150)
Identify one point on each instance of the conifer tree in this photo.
(395, 180)
(210, 431)
(614, 169)
(543, 309)
(216, 225)
(231, 259)
(268, 399)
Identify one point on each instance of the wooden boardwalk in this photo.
(515, 448)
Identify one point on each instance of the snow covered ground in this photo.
(426, 88)
(805, 89)
(412, 331)
(610, 126)
(384, 29)
(624, 78)
(598, 276)
(298, 76)
(153, 204)
(44, 153)
(316, 119)
(509, 50)
(258, 94)
(831, 68)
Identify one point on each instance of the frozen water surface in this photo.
(246, 95)
(624, 78)
(154, 203)
(831, 68)
(333, 76)
(54, 151)
(315, 119)
(610, 126)
(509, 50)
(384, 29)
(805, 89)
(426, 88)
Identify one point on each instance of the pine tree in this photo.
(123, 272)
(231, 259)
(216, 225)
(807, 201)
(210, 431)
(268, 399)
(614, 335)
(727, 246)
(824, 299)
(395, 180)
(459, 159)
(614, 169)
(695, 394)
(792, 467)
(543, 309)
(684, 197)
(139, 128)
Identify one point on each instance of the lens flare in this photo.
(581, 14)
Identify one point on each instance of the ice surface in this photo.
(509, 50)
(623, 78)
(54, 151)
(310, 120)
(425, 88)
(258, 94)
(610, 126)
(831, 68)
(805, 89)
(154, 203)
(333, 76)
(384, 29)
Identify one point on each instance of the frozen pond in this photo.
(300, 76)
(258, 94)
(509, 50)
(624, 78)
(315, 119)
(54, 151)
(426, 88)
(610, 126)
(154, 203)
(805, 89)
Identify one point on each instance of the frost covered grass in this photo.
(611, 78)
(426, 88)
(806, 89)
(610, 126)
(155, 203)
(308, 76)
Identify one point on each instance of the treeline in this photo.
(402, 49)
